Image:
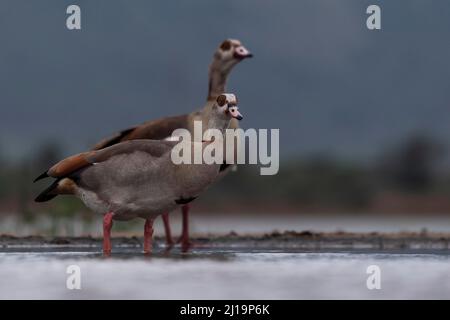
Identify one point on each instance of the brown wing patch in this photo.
(155, 130)
(119, 137)
(158, 129)
(66, 186)
(69, 165)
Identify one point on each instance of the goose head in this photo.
(228, 54)
(223, 110)
(226, 107)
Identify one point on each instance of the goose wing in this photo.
(156, 148)
(156, 130)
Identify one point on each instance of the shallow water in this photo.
(223, 223)
(223, 273)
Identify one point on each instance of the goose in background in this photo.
(228, 54)
(137, 178)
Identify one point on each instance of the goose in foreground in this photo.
(228, 54)
(137, 178)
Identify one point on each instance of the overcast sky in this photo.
(319, 75)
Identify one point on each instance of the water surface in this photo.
(223, 273)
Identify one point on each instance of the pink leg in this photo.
(184, 239)
(107, 225)
(169, 240)
(148, 234)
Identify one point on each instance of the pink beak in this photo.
(235, 113)
(241, 52)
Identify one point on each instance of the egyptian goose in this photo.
(228, 54)
(137, 178)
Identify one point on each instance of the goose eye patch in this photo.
(221, 100)
(226, 45)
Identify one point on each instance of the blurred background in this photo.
(363, 115)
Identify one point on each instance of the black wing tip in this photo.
(182, 200)
(44, 197)
(42, 176)
(48, 193)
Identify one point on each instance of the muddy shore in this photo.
(288, 240)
